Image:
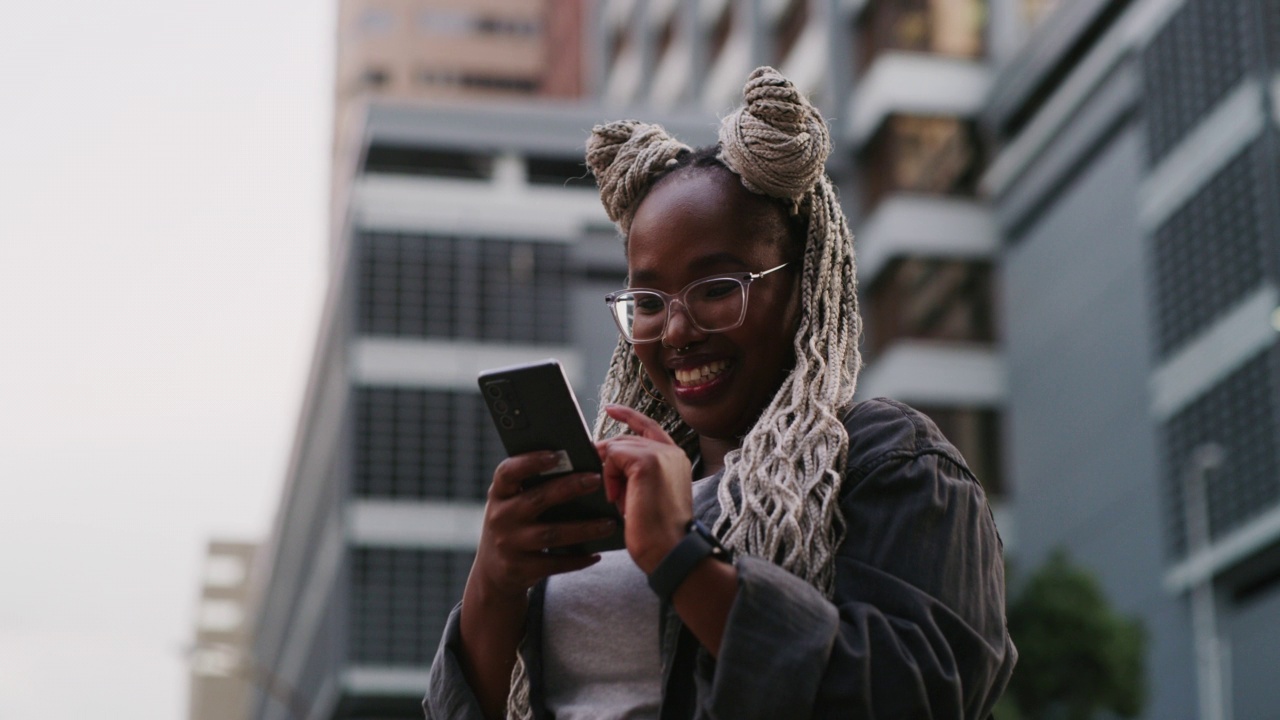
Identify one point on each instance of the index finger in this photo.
(509, 477)
(639, 423)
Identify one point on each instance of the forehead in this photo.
(702, 221)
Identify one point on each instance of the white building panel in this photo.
(921, 372)
(917, 84)
(923, 225)
(447, 364)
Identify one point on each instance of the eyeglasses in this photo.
(713, 304)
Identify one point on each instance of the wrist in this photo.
(697, 545)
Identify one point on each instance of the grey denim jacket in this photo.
(916, 628)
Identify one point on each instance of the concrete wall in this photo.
(1082, 448)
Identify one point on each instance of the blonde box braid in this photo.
(780, 490)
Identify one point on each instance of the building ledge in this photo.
(906, 224)
(927, 372)
(368, 680)
(451, 364)
(397, 203)
(1211, 145)
(1227, 344)
(915, 83)
(1224, 554)
(420, 524)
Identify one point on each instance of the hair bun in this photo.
(623, 155)
(777, 142)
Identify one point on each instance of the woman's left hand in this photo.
(650, 479)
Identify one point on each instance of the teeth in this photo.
(699, 375)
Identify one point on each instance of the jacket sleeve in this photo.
(449, 697)
(916, 628)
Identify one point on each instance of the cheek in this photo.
(648, 355)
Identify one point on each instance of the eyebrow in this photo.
(702, 264)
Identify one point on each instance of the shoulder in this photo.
(884, 431)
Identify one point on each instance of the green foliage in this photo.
(1076, 656)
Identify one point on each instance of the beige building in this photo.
(450, 52)
(456, 50)
(222, 672)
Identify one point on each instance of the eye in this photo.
(648, 303)
(717, 289)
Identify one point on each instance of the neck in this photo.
(713, 452)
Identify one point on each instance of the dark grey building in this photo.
(1136, 191)
(466, 238)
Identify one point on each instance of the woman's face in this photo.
(698, 223)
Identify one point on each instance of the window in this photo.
(930, 298)
(415, 443)
(440, 21)
(377, 21)
(933, 155)
(954, 28)
(375, 78)
(433, 286)
(400, 599)
(1239, 415)
(1212, 252)
(435, 162)
(559, 172)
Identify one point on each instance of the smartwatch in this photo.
(697, 544)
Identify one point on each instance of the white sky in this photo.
(163, 180)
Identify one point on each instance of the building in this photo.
(455, 51)
(222, 673)
(471, 237)
(1136, 191)
(903, 84)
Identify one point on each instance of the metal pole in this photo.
(1195, 502)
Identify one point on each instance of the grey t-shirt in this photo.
(600, 643)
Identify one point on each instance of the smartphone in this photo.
(534, 409)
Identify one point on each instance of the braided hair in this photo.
(780, 489)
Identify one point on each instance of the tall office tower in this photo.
(1137, 191)
(472, 238)
(901, 84)
(222, 672)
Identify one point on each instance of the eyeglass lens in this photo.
(715, 304)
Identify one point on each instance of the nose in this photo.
(680, 331)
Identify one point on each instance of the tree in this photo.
(1076, 656)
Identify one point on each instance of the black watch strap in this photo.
(697, 544)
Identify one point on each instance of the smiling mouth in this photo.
(693, 377)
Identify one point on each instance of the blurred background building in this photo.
(1136, 192)
(1067, 222)
(221, 675)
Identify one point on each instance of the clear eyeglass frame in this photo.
(622, 304)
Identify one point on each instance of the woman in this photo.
(845, 563)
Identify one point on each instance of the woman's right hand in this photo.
(510, 559)
(512, 556)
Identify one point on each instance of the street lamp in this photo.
(1205, 458)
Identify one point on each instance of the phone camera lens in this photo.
(501, 406)
(506, 422)
(494, 390)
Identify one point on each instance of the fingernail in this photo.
(589, 481)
